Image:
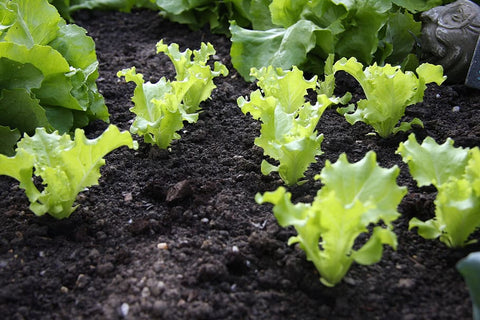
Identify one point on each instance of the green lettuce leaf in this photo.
(65, 166)
(56, 68)
(288, 132)
(34, 23)
(418, 5)
(454, 172)
(389, 91)
(8, 140)
(250, 13)
(278, 47)
(67, 7)
(367, 30)
(353, 198)
(431, 163)
(397, 38)
(161, 107)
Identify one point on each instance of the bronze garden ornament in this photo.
(449, 37)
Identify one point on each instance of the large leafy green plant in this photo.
(353, 198)
(306, 31)
(161, 107)
(288, 133)
(48, 71)
(455, 172)
(389, 91)
(66, 167)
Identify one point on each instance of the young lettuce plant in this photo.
(65, 166)
(455, 172)
(161, 107)
(288, 132)
(354, 197)
(388, 91)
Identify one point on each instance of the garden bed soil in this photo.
(177, 234)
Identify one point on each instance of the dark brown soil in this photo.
(177, 234)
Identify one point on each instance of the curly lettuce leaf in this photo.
(157, 122)
(353, 197)
(433, 164)
(65, 166)
(161, 107)
(389, 91)
(196, 71)
(454, 172)
(288, 132)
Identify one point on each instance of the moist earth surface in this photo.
(177, 234)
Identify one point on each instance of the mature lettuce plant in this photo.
(161, 107)
(304, 32)
(389, 91)
(66, 167)
(455, 172)
(288, 133)
(48, 72)
(353, 198)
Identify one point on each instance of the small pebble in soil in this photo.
(456, 109)
(124, 308)
(128, 197)
(349, 281)
(82, 281)
(145, 292)
(162, 246)
(406, 283)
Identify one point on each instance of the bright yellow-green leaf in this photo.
(389, 91)
(353, 198)
(65, 166)
(161, 107)
(288, 132)
(454, 171)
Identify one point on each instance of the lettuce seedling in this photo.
(469, 267)
(288, 132)
(389, 91)
(161, 107)
(455, 172)
(65, 166)
(354, 197)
